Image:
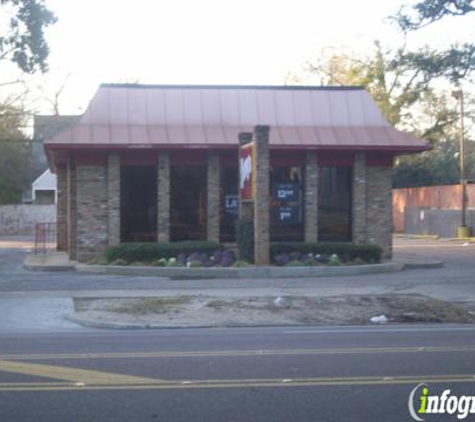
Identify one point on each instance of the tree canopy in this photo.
(455, 63)
(22, 33)
(429, 11)
(15, 156)
(408, 99)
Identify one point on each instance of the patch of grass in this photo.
(147, 306)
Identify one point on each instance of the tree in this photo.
(15, 156)
(429, 11)
(399, 90)
(455, 63)
(408, 99)
(22, 38)
(439, 166)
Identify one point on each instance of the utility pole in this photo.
(463, 230)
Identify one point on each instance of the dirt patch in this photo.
(283, 310)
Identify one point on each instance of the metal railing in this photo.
(46, 237)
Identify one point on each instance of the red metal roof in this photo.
(121, 116)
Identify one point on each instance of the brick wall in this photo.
(359, 199)
(163, 197)
(378, 208)
(62, 208)
(261, 200)
(113, 199)
(92, 207)
(311, 197)
(72, 209)
(212, 208)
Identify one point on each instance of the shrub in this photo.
(294, 264)
(173, 262)
(149, 252)
(245, 239)
(322, 252)
(241, 264)
(334, 260)
(194, 264)
(119, 262)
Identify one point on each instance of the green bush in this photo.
(245, 239)
(119, 262)
(346, 252)
(150, 252)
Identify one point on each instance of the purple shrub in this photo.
(282, 259)
(181, 258)
(227, 259)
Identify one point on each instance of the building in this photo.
(46, 127)
(160, 163)
(44, 189)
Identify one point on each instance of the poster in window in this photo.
(230, 207)
(246, 171)
(286, 192)
(287, 215)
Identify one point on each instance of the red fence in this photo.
(46, 237)
(446, 197)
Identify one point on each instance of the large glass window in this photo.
(334, 204)
(188, 203)
(286, 214)
(138, 204)
(228, 204)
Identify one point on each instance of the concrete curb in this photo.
(461, 239)
(51, 261)
(423, 265)
(416, 236)
(29, 267)
(109, 325)
(240, 273)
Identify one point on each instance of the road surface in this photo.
(260, 374)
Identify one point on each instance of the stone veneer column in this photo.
(212, 206)
(379, 208)
(62, 207)
(359, 195)
(72, 209)
(113, 199)
(92, 209)
(163, 197)
(261, 201)
(311, 197)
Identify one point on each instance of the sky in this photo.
(210, 42)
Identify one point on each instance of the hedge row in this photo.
(347, 252)
(148, 252)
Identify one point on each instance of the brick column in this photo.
(311, 197)
(72, 209)
(212, 208)
(379, 208)
(261, 201)
(163, 197)
(359, 194)
(91, 210)
(113, 199)
(62, 207)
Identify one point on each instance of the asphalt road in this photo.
(458, 273)
(261, 374)
(68, 373)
